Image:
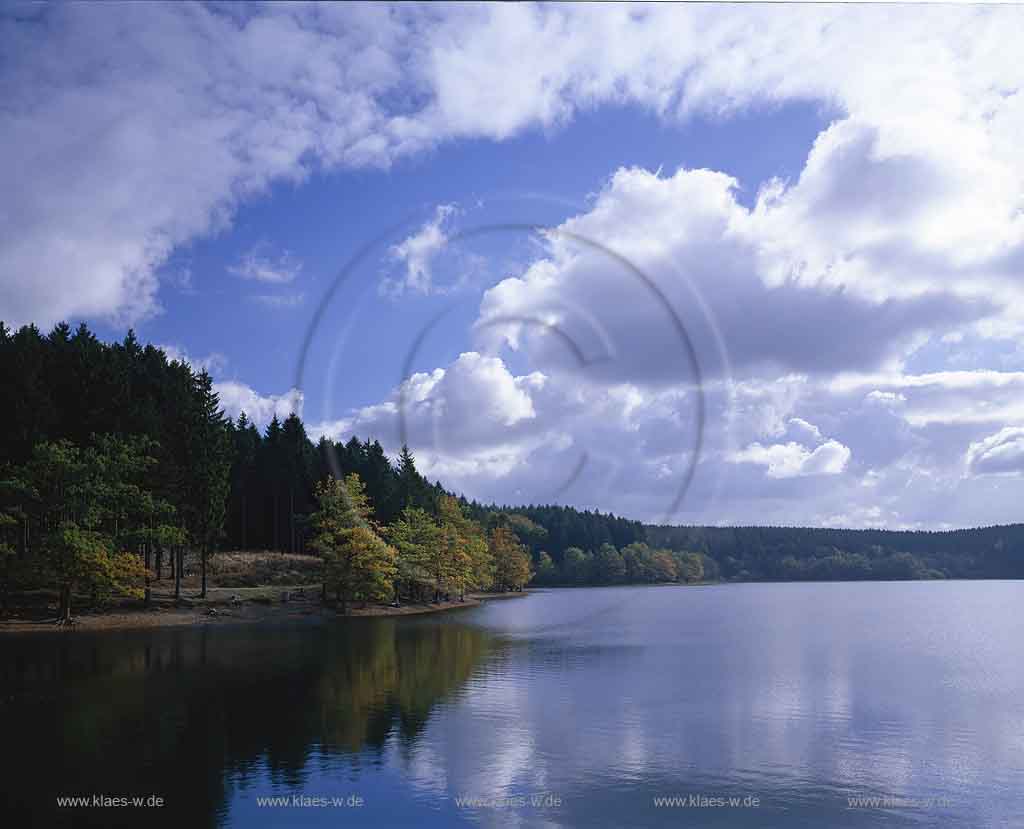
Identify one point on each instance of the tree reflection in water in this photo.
(189, 713)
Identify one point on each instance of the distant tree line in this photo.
(821, 554)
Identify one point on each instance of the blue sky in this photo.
(828, 202)
(540, 177)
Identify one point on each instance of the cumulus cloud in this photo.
(236, 397)
(789, 460)
(767, 445)
(998, 454)
(473, 402)
(703, 253)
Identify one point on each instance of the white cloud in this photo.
(121, 154)
(807, 429)
(767, 446)
(213, 363)
(998, 454)
(236, 398)
(789, 460)
(417, 252)
(703, 252)
(473, 402)
(950, 398)
(886, 398)
(258, 265)
(131, 131)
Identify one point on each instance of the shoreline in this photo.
(220, 611)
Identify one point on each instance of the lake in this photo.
(765, 705)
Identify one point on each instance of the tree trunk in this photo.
(245, 522)
(202, 567)
(4, 600)
(65, 605)
(159, 562)
(277, 521)
(148, 560)
(176, 564)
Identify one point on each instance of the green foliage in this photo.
(820, 554)
(179, 474)
(547, 573)
(511, 560)
(689, 566)
(417, 537)
(85, 512)
(577, 566)
(609, 568)
(466, 561)
(358, 564)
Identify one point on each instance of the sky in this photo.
(699, 263)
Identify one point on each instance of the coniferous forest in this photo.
(117, 461)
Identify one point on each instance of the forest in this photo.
(115, 460)
(823, 554)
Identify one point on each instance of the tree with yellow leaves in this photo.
(465, 559)
(511, 561)
(358, 564)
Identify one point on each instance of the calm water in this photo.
(594, 702)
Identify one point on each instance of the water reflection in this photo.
(800, 695)
(200, 715)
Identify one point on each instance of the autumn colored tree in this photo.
(85, 508)
(358, 563)
(511, 561)
(465, 560)
(690, 566)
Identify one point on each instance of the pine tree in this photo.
(84, 508)
(209, 466)
(412, 489)
(243, 480)
(297, 472)
(270, 461)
